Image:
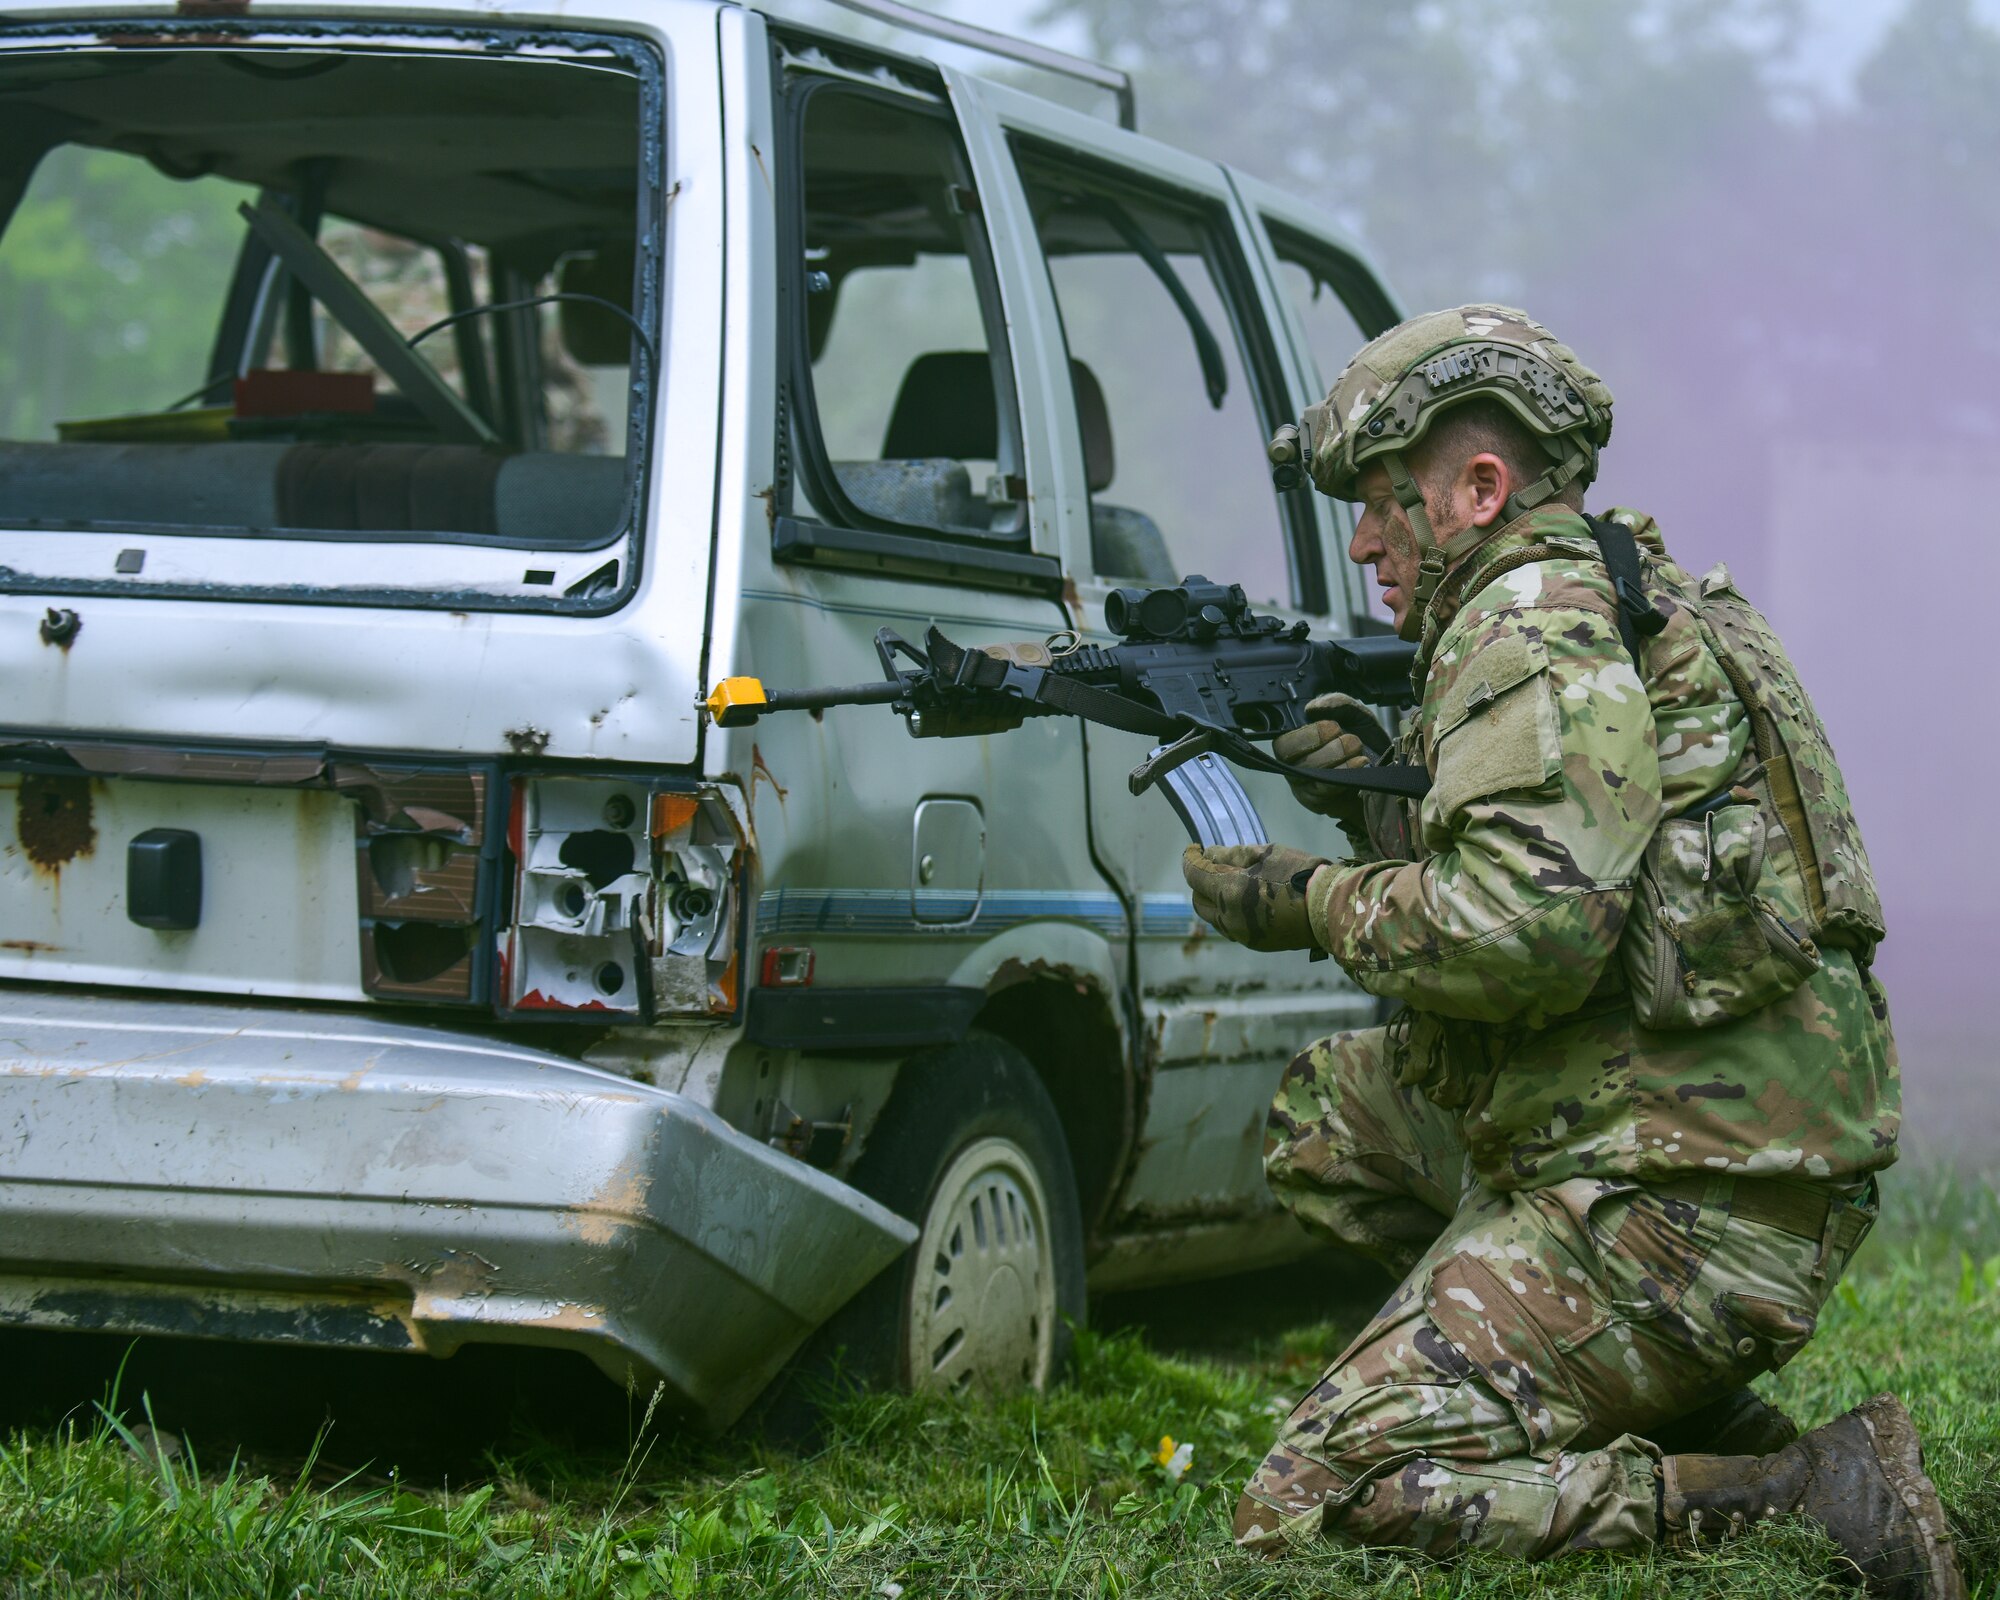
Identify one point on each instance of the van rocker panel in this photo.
(274, 1173)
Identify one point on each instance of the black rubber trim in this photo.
(795, 540)
(859, 1018)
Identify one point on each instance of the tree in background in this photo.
(1743, 258)
(112, 276)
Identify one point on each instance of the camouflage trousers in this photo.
(1503, 1396)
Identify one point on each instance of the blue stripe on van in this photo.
(893, 912)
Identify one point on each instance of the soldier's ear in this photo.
(1484, 483)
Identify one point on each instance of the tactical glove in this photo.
(1254, 894)
(1340, 732)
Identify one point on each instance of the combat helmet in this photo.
(1402, 381)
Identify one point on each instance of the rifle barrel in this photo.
(880, 692)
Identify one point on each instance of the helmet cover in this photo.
(1401, 381)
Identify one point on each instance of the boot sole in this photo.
(1893, 1438)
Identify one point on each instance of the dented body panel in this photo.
(234, 1172)
(63, 873)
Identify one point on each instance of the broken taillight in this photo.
(428, 881)
(625, 900)
(787, 966)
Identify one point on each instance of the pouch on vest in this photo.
(1799, 779)
(1713, 931)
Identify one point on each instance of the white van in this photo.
(389, 954)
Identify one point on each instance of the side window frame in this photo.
(1366, 301)
(1257, 340)
(850, 535)
(1373, 310)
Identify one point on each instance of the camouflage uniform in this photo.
(1586, 1209)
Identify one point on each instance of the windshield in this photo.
(332, 294)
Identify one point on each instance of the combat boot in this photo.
(1861, 1477)
(1739, 1424)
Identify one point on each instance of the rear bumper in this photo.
(235, 1173)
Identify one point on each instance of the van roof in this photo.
(992, 42)
(369, 13)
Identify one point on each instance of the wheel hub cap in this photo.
(982, 1311)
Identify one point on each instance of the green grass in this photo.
(1058, 1495)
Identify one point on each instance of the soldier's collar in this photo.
(1542, 525)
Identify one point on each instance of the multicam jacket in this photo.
(1552, 765)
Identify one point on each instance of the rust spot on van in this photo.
(620, 1203)
(759, 770)
(60, 628)
(31, 947)
(52, 816)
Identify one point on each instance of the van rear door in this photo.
(267, 517)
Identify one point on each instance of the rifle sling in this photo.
(1637, 612)
(1112, 710)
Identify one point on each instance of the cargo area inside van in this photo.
(357, 292)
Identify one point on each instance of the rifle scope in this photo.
(1196, 609)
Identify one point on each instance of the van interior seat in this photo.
(1124, 543)
(945, 416)
(543, 496)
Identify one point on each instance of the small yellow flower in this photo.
(1175, 1459)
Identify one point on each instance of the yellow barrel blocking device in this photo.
(736, 702)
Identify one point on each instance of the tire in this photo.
(970, 1149)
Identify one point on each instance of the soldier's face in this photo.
(1383, 540)
(1475, 495)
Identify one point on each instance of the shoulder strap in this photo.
(1637, 613)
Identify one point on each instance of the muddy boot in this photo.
(1739, 1424)
(1861, 1477)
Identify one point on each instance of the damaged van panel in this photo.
(224, 1171)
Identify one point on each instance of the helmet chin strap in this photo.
(1435, 558)
(1570, 465)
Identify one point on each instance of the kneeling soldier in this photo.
(1621, 1137)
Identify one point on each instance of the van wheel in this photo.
(982, 1307)
(970, 1149)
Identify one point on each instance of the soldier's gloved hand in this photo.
(1339, 732)
(1253, 893)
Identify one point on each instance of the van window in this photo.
(912, 422)
(170, 365)
(1169, 363)
(581, 402)
(1332, 334)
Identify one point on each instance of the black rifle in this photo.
(1199, 672)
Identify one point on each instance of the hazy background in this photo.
(1773, 226)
